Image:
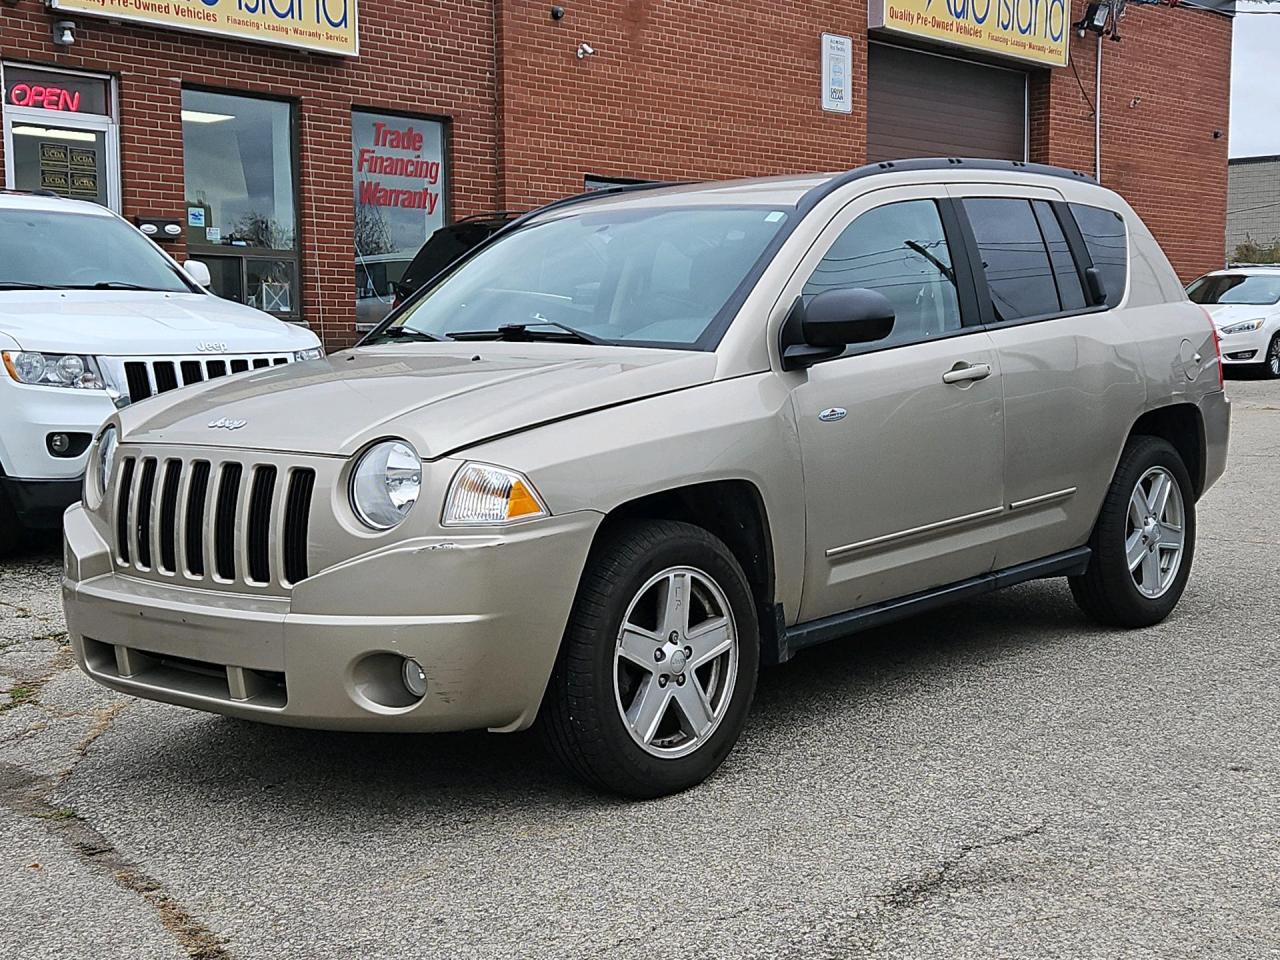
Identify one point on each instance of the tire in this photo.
(628, 576)
(1271, 360)
(1110, 590)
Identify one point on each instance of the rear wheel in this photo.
(658, 665)
(1144, 540)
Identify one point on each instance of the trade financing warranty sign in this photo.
(325, 26)
(1036, 31)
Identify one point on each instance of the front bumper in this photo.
(482, 614)
(29, 414)
(1244, 348)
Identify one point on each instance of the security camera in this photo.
(585, 50)
(64, 33)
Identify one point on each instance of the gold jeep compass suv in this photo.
(640, 443)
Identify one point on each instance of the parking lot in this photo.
(999, 779)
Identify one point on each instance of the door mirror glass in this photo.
(199, 272)
(831, 321)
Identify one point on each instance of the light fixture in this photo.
(1095, 18)
(585, 50)
(199, 116)
(78, 135)
(64, 32)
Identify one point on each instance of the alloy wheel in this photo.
(1273, 356)
(1154, 532)
(675, 662)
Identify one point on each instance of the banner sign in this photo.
(325, 26)
(1035, 31)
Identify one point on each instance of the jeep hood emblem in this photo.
(223, 423)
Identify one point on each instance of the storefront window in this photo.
(398, 180)
(59, 132)
(238, 155)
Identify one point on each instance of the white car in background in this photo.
(94, 316)
(1244, 303)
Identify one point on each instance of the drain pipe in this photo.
(1097, 114)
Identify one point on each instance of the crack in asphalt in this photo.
(28, 794)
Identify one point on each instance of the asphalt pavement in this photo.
(999, 779)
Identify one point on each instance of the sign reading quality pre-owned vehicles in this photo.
(328, 26)
(1033, 30)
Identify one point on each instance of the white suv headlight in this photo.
(311, 353)
(484, 494)
(106, 459)
(385, 484)
(72, 370)
(1244, 326)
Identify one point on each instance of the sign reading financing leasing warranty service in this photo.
(326, 26)
(1037, 31)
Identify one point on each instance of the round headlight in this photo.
(30, 367)
(106, 458)
(69, 369)
(386, 483)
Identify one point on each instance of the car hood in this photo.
(1225, 314)
(439, 397)
(126, 323)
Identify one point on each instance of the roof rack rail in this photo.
(823, 190)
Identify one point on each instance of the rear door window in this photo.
(1108, 246)
(1014, 256)
(1065, 273)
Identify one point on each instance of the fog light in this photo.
(415, 679)
(59, 442)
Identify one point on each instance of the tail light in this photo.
(1217, 349)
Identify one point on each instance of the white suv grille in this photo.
(142, 378)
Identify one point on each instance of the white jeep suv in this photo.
(1244, 303)
(93, 316)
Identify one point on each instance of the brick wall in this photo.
(677, 89)
(1253, 201)
(440, 63)
(1166, 88)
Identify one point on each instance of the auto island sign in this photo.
(325, 26)
(1036, 31)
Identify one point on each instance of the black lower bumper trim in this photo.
(39, 504)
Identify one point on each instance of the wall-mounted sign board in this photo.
(1034, 31)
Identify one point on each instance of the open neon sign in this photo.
(47, 98)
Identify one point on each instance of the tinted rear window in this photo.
(1236, 288)
(1108, 246)
(1014, 258)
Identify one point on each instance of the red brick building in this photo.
(256, 153)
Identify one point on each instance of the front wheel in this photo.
(1271, 363)
(658, 665)
(1143, 541)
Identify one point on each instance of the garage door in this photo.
(921, 105)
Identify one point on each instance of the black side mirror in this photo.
(1097, 289)
(822, 328)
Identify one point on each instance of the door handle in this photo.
(963, 372)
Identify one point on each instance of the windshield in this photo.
(47, 250)
(655, 276)
(1236, 288)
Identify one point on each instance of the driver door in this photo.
(902, 440)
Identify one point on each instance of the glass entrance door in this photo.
(54, 138)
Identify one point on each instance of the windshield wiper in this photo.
(406, 333)
(23, 285)
(521, 332)
(112, 285)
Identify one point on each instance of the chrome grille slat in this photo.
(237, 520)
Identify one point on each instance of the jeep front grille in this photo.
(146, 378)
(225, 522)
